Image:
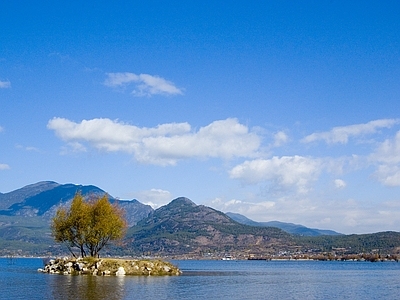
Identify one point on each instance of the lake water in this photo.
(19, 279)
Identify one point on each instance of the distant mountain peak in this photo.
(39, 186)
(42, 183)
(19, 195)
(182, 201)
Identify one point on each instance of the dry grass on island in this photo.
(109, 266)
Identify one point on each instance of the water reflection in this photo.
(87, 287)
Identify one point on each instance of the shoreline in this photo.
(233, 259)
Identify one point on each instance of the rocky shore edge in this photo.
(109, 267)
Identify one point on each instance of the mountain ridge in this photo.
(184, 227)
(291, 228)
(42, 199)
(7, 199)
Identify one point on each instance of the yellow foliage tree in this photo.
(88, 225)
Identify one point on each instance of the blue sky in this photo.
(278, 110)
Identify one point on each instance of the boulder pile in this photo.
(108, 266)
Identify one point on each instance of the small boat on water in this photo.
(227, 257)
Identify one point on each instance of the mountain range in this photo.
(43, 198)
(295, 229)
(178, 228)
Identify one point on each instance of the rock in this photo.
(167, 269)
(98, 264)
(120, 272)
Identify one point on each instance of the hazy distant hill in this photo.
(380, 242)
(288, 227)
(299, 229)
(134, 210)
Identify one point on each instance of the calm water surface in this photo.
(19, 279)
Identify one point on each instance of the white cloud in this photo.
(343, 133)
(354, 217)
(280, 138)
(5, 84)
(154, 197)
(1, 129)
(388, 175)
(286, 171)
(145, 84)
(164, 144)
(245, 208)
(4, 167)
(73, 147)
(31, 148)
(339, 183)
(388, 151)
(387, 156)
(28, 148)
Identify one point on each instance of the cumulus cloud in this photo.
(4, 167)
(144, 84)
(286, 171)
(343, 133)
(5, 84)
(387, 156)
(164, 144)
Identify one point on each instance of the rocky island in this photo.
(109, 266)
